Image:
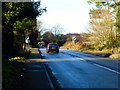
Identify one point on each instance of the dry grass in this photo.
(105, 52)
(115, 56)
(72, 45)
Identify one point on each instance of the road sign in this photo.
(27, 40)
(74, 39)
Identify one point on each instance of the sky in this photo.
(72, 15)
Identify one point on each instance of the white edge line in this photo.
(107, 68)
(50, 81)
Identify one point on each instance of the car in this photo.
(52, 47)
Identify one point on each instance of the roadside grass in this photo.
(11, 72)
(7, 74)
(12, 69)
(103, 52)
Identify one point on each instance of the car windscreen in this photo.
(53, 45)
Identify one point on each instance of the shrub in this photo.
(116, 56)
(70, 44)
(107, 54)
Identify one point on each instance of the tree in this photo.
(19, 22)
(54, 35)
(57, 30)
(48, 37)
(41, 29)
(102, 27)
(117, 24)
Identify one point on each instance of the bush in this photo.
(70, 44)
(107, 54)
(116, 56)
(100, 49)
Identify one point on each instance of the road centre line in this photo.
(82, 59)
(107, 68)
(101, 66)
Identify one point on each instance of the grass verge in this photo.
(11, 72)
(103, 53)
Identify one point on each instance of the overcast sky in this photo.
(73, 15)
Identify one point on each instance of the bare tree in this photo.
(57, 30)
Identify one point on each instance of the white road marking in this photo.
(50, 81)
(107, 68)
(82, 59)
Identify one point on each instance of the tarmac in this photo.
(35, 74)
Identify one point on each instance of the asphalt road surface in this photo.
(74, 70)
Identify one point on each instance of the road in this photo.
(78, 70)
